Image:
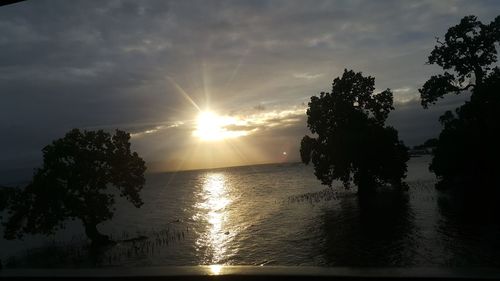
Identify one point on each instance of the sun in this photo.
(209, 126)
(212, 127)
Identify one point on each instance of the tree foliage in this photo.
(430, 143)
(5, 194)
(352, 143)
(74, 182)
(468, 50)
(467, 149)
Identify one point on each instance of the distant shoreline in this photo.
(224, 167)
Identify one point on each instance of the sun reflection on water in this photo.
(212, 210)
(215, 269)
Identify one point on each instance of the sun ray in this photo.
(236, 69)
(206, 82)
(181, 90)
(236, 149)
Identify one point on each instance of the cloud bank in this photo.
(145, 66)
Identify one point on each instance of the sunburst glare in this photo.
(213, 127)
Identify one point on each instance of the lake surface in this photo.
(275, 215)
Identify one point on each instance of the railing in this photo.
(219, 272)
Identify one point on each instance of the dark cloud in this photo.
(107, 64)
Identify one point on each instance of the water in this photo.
(274, 215)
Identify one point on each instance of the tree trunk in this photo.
(366, 183)
(94, 235)
(479, 76)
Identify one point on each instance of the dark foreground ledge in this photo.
(216, 272)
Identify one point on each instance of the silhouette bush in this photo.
(352, 143)
(74, 183)
(467, 150)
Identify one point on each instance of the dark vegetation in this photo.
(467, 151)
(128, 248)
(74, 183)
(428, 144)
(423, 149)
(5, 195)
(353, 144)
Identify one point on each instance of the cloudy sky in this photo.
(150, 67)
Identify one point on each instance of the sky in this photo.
(151, 67)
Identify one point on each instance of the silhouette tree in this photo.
(352, 143)
(5, 194)
(74, 182)
(467, 149)
(468, 50)
(430, 143)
